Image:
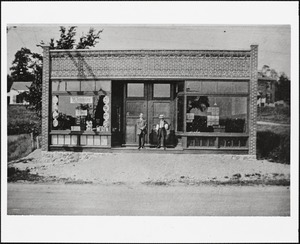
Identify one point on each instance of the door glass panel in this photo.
(135, 90)
(161, 108)
(135, 108)
(161, 90)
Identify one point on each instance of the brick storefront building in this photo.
(92, 99)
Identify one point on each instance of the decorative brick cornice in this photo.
(150, 63)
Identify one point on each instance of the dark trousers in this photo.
(162, 133)
(142, 139)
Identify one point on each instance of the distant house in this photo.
(265, 90)
(15, 95)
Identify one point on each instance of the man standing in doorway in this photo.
(162, 128)
(141, 130)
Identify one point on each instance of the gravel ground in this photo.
(157, 169)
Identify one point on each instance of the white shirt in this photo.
(161, 124)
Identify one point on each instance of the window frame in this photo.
(185, 94)
(78, 93)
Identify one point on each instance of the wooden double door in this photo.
(151, 99)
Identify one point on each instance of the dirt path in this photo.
(138, 200)
(149, 168)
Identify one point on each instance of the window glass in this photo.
(216, 114)
(87, 86)
(217, 87)
(84, 112)
(73, 85)
(193, 86)
(58, 86)
(80, 113)
(241, 87)
(225, 87)
(209, 87)
(135, 90)
(204, 87)
(161, 90)
(103, 85)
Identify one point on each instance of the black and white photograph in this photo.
(117, 127)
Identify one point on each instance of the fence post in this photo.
(37, 142)
(32, 141)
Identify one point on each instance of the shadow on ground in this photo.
(17, 175)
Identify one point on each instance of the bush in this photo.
(24, 127)
(273, 146)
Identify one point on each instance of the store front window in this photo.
(80, 106)
(216, 114)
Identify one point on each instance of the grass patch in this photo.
(22, 121)
(276, 114)
(18, 146)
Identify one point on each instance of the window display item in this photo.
(105, 108)
(106, 116)
(55, 122)
(89, 125)
(106, 100)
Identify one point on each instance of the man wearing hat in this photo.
(162, 128)
(141, 130)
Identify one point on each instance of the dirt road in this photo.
(141, 200)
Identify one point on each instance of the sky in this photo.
(274, 41)
(273, 25)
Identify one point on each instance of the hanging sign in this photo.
(84, 99)
(190, 116)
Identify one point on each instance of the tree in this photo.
(89, 40)
(283, 88)
(21, 65)
(27, 66)
(266, 71)
(9, 82)
(34, 96)
(67, 39)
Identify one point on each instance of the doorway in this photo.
(151, 99)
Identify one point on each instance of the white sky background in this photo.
(274, 40)
(274, 50)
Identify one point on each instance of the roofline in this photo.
(149, 50)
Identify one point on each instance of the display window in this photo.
(80, 106)
(216, 114)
